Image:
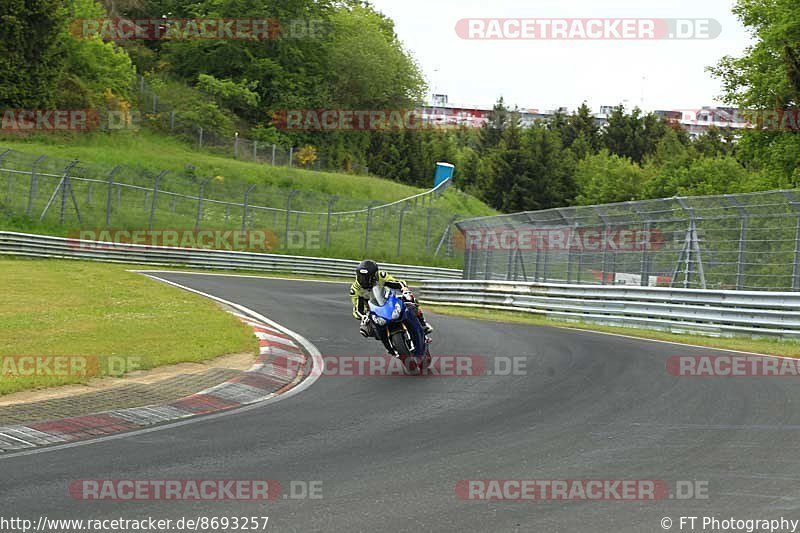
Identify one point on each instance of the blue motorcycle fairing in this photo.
(405, 315)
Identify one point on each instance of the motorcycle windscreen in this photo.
(385, 311)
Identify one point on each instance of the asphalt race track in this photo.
(389, 451)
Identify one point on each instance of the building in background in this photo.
(696, 121)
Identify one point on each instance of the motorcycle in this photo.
(389, 310)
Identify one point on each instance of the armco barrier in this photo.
(714, 312)
(12, 243)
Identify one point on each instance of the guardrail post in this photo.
(291, 195)
(156, 183)
(34, 188)
(245, 206)
(200, 196)
(331, 201)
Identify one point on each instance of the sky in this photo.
(546, 74)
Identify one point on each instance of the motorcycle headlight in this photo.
(396, 312)
(378, 320)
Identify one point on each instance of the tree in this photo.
(31, 52)
(581, 124)
(768, 74)
(767, 77)
(607, 177)
(492, 130)
(632, 135)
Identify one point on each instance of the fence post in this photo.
(110, 192)
(245, 206)
(200, 139)
(62, 187)
(34, 188)
(236, 145)
(291, 155)
(428, 231)
(172, 120)
(795, 205)
(10, 183)
(331, 201)
(273, 155)
(604, 265)
(400, 228)
(156, 182)
(255, 150)
(200, 197)
(288, 215)
(367, 225)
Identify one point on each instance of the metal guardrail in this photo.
(709, 312)
(12, 243)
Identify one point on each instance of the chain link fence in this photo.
(167, 118)
(740, 242)
(66, 196)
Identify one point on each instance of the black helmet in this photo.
(367, 273)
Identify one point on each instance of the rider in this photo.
(367, 276)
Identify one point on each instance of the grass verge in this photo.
(786, 348)
(152, 151)
(99, 312)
